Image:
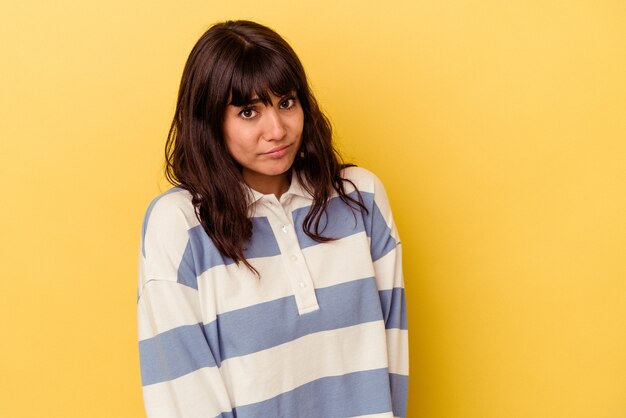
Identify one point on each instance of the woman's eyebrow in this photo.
(252, 101)
(257, 99)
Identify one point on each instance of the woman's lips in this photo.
(277, 152)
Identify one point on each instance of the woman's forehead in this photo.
(260, 80)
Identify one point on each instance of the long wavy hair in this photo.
(231, 63)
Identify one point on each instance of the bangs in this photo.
(260, 72)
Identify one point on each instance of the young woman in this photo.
(270, 277)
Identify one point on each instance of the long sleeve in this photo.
(386, 252)
(178, 359)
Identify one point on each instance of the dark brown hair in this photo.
(231, 63)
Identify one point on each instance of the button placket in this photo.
(297, 271)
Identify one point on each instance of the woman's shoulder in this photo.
(170, 209)
(173, 199)
(362, 178)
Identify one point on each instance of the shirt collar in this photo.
(295, 188)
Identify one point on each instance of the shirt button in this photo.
(302, 284)
(284, 229)
(293, 257)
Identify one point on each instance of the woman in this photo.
(270, 279)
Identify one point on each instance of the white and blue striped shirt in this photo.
(322, 333)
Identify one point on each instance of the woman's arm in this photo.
(386, 252)
(179, 368)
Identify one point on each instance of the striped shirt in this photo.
(322, 333)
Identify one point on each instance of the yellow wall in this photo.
(498, 127)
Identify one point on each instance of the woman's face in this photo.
(264, 139)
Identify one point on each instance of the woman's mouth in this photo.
(277, 152)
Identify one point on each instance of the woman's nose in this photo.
(274, 127)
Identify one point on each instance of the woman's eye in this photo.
(288, 103)
(247, 113)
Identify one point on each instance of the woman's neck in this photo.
(276, 185)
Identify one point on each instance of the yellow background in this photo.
(498, 127)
